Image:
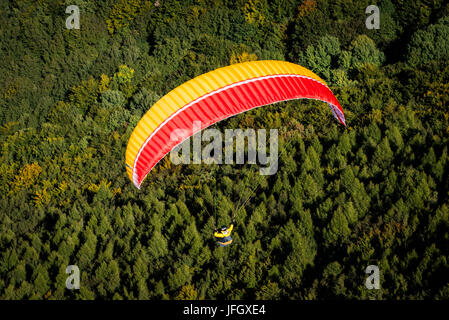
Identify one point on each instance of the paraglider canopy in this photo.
(215, 96)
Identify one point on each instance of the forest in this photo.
(375, 192)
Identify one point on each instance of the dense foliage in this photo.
(376, 192)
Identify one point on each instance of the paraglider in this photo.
(212, 97)
(223, 236)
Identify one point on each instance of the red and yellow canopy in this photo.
(215, 96)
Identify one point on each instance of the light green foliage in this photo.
(338, 230)
(364, 51)
(320, 57)
(157, 246)
(430, 43)
(112, 98)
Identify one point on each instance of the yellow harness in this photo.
(226, 233)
